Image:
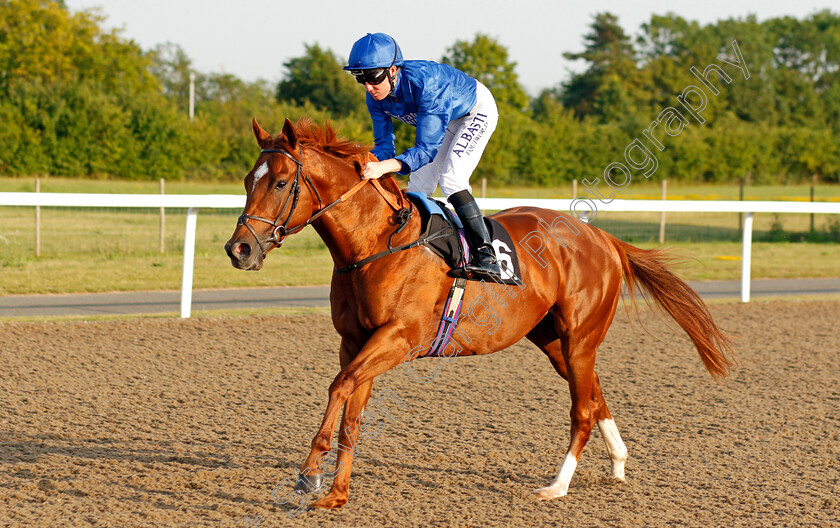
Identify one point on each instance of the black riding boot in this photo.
(482, 263)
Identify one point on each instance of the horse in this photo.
(382, 307)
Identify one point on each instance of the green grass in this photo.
(770, 260)
(709, 227)
(636, 190)
(70, 185)
(96, 250)
(675, 191)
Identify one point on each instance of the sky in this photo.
(253, 38)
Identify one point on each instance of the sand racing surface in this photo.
(167, 422)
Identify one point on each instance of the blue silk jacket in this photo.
(427, 95)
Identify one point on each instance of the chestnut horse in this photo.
(386, 310)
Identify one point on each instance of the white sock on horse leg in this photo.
(560, 485)
(615, 447)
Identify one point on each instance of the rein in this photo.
(281, 231)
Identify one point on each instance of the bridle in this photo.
(281, 231)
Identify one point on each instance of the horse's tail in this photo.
(647, 267)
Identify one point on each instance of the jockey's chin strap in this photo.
(278, 236)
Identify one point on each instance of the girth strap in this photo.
(448, 321)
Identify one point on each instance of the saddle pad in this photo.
(505, 252)
(453, 247)
(433, 207)
(436, 218)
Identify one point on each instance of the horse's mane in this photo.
(325, 139)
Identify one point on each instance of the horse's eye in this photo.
(280, 184)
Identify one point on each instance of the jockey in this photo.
(454, 114)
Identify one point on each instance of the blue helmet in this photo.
(374, 50)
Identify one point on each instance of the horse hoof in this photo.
(329, 502)
(309, 483)
(548, 493)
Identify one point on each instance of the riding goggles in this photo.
(372, 76)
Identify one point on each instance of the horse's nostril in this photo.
(237, 250)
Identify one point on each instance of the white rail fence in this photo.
(194, 202)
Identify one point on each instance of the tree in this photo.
(487, 60)
(606, 89)
(807, 58)
(66, 85)
(41, 41)
(317, 77)
(172, 67)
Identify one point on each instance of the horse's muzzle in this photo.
(243, 255)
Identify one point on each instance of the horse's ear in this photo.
(263, 138)
(289, 132)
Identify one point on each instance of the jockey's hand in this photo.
(376, 169)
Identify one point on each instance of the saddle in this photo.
(435, 219)
(443, 233)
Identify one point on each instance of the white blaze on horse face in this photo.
(615, 447)
(261, 171)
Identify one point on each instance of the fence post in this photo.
(162, 223)
(812, 199)
(189, 261)
(746, 256)
(741, 215)
(37, 221)
(662, 216)
(574, 189)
